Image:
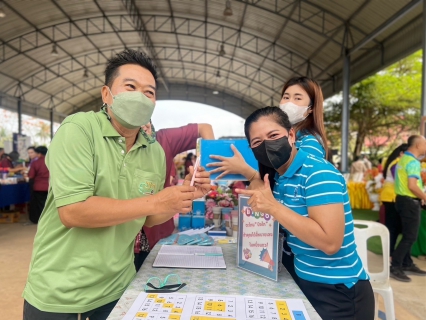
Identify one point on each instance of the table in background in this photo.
(14, 194)
(232, 281)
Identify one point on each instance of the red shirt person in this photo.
(7, 160)
(173, 141)
(39, 179)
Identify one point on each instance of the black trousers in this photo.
(393, 223)
(139, 259)
(101, 313)
(409, 210)
(37, 202)
(288, 259)
(338, 302)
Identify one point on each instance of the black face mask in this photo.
(273, 153)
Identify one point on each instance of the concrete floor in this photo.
(15, 254)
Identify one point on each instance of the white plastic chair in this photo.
(346, 176)
(379, 280)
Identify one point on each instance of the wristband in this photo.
(255, 171)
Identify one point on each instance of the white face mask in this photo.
(295, 113)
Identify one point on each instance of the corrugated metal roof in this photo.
(265, 42)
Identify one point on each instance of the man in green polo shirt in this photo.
(105, 182)
(409, 198)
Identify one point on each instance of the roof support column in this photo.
(51, 124)
(19, 116)
(345, 112)
(423, 101)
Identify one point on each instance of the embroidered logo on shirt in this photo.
(295, 198)
(147, 187)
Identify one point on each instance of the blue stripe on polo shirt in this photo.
(310, 144)
(311, 181)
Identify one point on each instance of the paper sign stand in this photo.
(258, 236)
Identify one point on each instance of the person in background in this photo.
(387, 196)
(180, 165)
(367, 162)
(409, 199)
(6, 161)
(380, 165)
(189, 161)
(11, 161)
(173, 141)
(358, 170)
(302, 100)
(309, 198)
(32, 155)
(174, 176)
(39, 182)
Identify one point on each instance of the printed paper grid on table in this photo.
(175, 306)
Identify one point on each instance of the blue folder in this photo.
(223, 148)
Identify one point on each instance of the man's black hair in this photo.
(42, 150)
(14, 156)
(412, 140)
(128, 56)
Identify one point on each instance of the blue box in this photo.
(184, 222)
(223, 148)
(226, 210)
(197, 222)
(217, 233)
(199, 207)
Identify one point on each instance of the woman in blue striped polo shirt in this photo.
(308, 196)
(302, 100)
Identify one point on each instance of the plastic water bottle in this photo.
(4, 173)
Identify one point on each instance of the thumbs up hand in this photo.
(261, 198)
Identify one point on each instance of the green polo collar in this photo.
(107, 128)
(140, 141)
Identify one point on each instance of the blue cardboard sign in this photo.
(223, 148)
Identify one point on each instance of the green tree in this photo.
(4, 135)
(383, 105)
(44, 132)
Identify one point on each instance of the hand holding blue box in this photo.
(223, 148)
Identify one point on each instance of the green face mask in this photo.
(132, 109)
